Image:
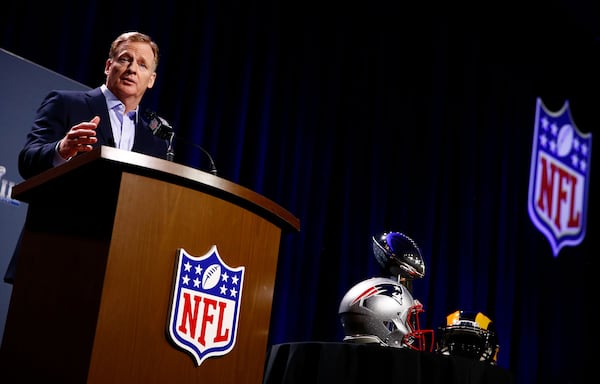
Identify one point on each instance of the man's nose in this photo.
(133, 66)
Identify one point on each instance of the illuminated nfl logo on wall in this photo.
(6, 189)
(559, 177)
(205, 305)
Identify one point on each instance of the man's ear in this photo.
(152, 80)
(107, 66)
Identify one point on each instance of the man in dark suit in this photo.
(68, 123)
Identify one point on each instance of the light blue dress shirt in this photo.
(123, 124)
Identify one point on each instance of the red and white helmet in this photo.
(381, 310)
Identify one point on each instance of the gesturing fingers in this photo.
(84, 134)
(80, 138)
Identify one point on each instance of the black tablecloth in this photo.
(347, 363)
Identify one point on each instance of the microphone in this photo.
(161, 128)
(158, 125)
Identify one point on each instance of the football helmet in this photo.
(399, 255)
(468, 334)
(381, 310)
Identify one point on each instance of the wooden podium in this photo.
(91, 298)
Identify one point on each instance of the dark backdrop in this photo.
(366, 117)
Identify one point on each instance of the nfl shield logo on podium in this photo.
(559, 177)
(205, 305)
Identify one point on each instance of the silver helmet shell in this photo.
(399, 255)
(381, 310)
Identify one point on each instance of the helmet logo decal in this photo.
(205, 304)
(559, 177)
(393, 290)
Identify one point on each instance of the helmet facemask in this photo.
(470, 335)
(416, 338)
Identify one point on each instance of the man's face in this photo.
(132, 71)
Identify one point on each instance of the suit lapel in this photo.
(97, 104)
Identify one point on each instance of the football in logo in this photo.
(564, 140)
(211, 276)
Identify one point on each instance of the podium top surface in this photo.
(167, 171)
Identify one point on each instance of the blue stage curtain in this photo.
(365, 118)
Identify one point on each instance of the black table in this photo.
(347, 363)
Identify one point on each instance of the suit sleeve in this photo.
(49, 126)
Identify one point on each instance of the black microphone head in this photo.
(158, 125)
(149, 114)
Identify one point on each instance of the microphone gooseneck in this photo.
(161, 128)
(213, 168)
(170, 153)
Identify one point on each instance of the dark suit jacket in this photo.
(59, 111)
